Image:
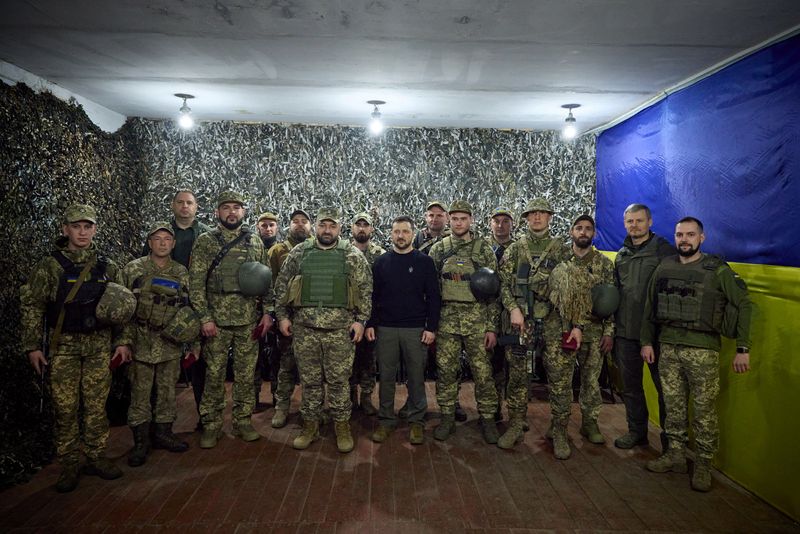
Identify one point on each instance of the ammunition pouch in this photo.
(80, 315)
(158, 299)
(689, 297)
(324, 280)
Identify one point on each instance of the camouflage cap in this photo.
(461, 206)
(502, 211)
(230, 196)
(537, 204)
(435, 204)
(299, 211)
(267, 215)
(363, 216)
(329, 214)
(161, 225)
(80, 212)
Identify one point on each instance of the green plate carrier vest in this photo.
(324, 276)
(158, 299)
(457, 268)
(533, 272)
(688, 296)
(225, 278)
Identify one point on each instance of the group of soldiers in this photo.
(327, 307)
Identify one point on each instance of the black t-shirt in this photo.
(405, 291)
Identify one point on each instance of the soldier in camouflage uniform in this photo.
(364, 364)
(323, 299)
(161, 286)
(79, 351)
(435, 227)
(299, 231)
(525, 272)
(228, 316)
(692, 298)
(501, 226)
(571, 285)
(267, 227)
(465, 323)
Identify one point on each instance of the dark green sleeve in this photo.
(735, 290)
(647, 335)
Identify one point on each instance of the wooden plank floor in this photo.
(461, 485)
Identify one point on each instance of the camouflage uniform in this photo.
(235, 316)
(287, 366)
(689, 358)
(79, 375)
(321, 339)
(543, 253)
(464, 324)
(155, 359)
(499, 364)
(598, 270)
(364, 365)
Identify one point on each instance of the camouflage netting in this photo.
(52, 155)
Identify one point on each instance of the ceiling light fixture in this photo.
(570, 130)
(185, 119)
(375, 123)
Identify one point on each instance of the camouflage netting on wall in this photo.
(51, 155)
(284, 167)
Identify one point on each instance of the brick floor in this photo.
(461, 485)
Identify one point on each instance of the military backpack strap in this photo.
(71, 295)
(226, 247)
(550, 246)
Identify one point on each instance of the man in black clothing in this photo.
(405, 317)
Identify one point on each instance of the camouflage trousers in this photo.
(517, 358)
(325, 361)
(215, 354)
(560, 366)
(286, 371)
(143, 376)
(79, 372)
(690, 371)
(448, 365)
(364, 367)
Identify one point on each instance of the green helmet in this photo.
(116, 306)
(254, 279)
(184, 327)
(537, 204)
(605, 300)
(231, 196)
(484, 284)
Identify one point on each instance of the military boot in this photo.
(366, 404)
(103, 468)
(309, 435)
(141, 445)
(279, 418)
(512, 435)
(701, 477)
(68, 479)
(245, 431)
(561, 449)
(446, 428)
(165, 439)
(344, 439)
(630, 440)
(416, 434)
(673, 460)
(489, 430)
(591, 432)
(381, 433)
(209, 438)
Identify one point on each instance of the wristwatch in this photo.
(742, 350)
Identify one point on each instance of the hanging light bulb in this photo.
(375, 123)
(570, 130)
(185, 119)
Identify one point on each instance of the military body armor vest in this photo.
(324, 276)
(80, 314)
(533, 270)
(158, 299)
(688, 296)
(457, 268)
(225, 277)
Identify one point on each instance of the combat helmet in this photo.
(484, 284)
(537, 204)
(184, 327)
(254, 278)
(605, 300)
(116, 306)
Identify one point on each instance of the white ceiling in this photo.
(470, 63)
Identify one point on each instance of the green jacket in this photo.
(277, 255)
(41, 288)
(373, 251)
(726, 280)
(465, 317)
(147, 344)
(601, 269)
(359, 282)
(633, 267)
(225, 309)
